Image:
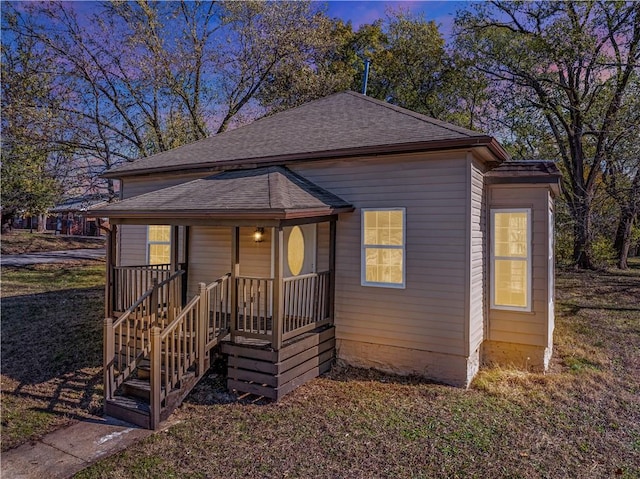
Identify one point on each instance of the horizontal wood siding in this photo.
(478, 259)
(430, 313)
(526, 327)
(322, 258)
(132, 245)
(209, 255)
(255, 258)
(137, 186)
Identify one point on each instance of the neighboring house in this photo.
(346, 226)
(70, 216)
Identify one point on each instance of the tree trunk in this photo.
(623, 236)
(42, 223)
(582, 240)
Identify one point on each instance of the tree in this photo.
(567, 66)
(30, 184)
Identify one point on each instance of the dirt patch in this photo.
(19, 242)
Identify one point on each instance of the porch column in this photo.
(109, 293)
(174, 248)
(332, 269)
(235, 272)
(278, 288)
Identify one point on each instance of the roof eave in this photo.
(269, 214)
(470, 142)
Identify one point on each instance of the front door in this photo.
(300, 250)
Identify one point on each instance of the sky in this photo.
(361, 12)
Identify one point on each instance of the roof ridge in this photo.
(412, 114)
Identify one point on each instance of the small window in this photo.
(295, 251)
(511, 259)
(383, 247)
(159, 244)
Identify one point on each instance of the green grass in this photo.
(582, 419)
(51, 348)
(41, 278)
(19, 241)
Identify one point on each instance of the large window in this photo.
(159, 244)
(511, 259)
(383, 247)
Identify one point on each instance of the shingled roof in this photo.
(273, 192)
(342, 124)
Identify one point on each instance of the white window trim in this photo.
(149, 243)
(529, 259)
(363, 246)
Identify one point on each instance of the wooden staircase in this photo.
(156, 351)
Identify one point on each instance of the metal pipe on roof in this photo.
(365, 80)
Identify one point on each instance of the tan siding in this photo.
(133, 245)
(429, 314)
(209, 255)
(255, 258)
(526, 327)
(138, 186)
(322, 259)
(477, 279)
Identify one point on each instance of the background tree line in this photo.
(85, 91)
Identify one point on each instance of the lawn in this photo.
(582, 419)
(51, 348)
(20, 241)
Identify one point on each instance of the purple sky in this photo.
(360, 12)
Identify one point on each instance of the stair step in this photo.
(129, 409)
(138, 388)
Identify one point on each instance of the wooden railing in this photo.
(306, 306)
(218, 308)
(306, 303)
(254, 298)
(184, 344)
(131, 282)
(127, 340)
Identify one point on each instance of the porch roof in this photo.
(273, 193)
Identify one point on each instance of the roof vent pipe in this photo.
(366, 77)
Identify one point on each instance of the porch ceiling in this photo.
(269, 193)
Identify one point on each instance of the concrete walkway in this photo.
(51, 257)
(66, 451)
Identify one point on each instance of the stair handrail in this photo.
(135, 354)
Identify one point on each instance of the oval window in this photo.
(295, 251)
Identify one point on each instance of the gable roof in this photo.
(273, 192)
(342, 124)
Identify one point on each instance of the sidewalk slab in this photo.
(49, 257)
(67, 451)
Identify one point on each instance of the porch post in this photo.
(235, 272)
(110, 284)
(174, 248)
(278, 288)
(332, 268)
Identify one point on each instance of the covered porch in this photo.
(163, 320)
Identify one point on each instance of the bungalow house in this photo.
(345, 228)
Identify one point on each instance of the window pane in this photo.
(159, 253)
(161, 233)
(383, 265)
(510, 234)
(510, 283)
(383, 228)
(295, 251)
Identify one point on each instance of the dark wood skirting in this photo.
(260, 370)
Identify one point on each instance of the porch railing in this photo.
(130, 282)
(306, 303)
(183, 345)
(306, 306)
(127, 339)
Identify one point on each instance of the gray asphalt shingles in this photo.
(340, 121)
